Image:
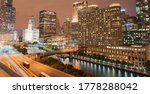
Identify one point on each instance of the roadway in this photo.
(3, 73)
(14, 60)
(5, 52)
(37, 68)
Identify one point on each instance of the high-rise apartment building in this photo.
(7, 16)
(100, 27)
(48, 23)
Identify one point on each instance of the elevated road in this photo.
(3, 73)
(37, 68)
(18, 69)
(12, 62)
(6, 60)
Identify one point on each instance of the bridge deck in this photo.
(68, 50)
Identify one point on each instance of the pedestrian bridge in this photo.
(42, 55)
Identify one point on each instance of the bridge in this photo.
(42, 55)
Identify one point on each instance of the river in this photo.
(99, 70)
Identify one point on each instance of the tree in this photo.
(124, 63)
(24, 51)
(54, 47)
(35, 42)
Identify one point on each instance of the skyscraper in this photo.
(31, 34)
(143, 14)
(100, 27)
(67, 27)
(7, 16)
(48, 23)
(88, 27)
(76, 7)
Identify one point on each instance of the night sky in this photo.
(63, 8)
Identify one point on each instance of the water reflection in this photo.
(99, 70)
(76, 64)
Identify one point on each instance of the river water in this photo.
(99, 70)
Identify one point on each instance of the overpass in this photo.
(42, 55)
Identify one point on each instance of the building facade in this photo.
(6, 37)
(7, 16)
(67, 27)
(137, 29)
(31, 34)
(100, 27)
(135, 55)
(75, 33)
(76, 7)
(133, 37)
(143, 15)
(60, 40)
(88, 27)
(48, 23)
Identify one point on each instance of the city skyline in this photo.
(63, 10)
(97, 39)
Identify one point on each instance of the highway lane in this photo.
(20, 63)
(22, 73)
(37, 67)
(5, 62)
(11, 58)
(5, 52)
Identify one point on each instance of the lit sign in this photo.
(68, 20)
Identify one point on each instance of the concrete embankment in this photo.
(117, 67)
